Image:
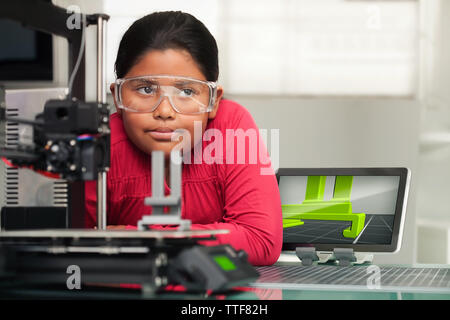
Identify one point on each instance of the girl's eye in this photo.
(146, 90)
(187, 92)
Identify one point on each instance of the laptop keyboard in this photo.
(369, 277)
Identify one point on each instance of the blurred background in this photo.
(349, 83)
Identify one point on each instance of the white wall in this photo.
(433, 201)
(320, 47)
(434, 161)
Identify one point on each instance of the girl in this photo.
(167, 68)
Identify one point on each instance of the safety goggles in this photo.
(145, 93)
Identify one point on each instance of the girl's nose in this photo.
(164, 110)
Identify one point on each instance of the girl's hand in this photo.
(119, 227)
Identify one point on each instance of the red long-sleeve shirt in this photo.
(228, 195)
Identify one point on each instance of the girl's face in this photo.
(146, 130)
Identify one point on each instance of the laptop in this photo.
(334, 220)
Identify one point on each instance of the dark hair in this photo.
(168, 30)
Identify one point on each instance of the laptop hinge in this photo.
(307, 255)
(345, 256)
(342, 256)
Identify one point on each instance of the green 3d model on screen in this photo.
(315, 208)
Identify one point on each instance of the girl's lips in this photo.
(161, 134)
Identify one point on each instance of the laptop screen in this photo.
(341, 209)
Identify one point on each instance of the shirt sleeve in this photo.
(252, 210)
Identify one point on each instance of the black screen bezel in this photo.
(403, 173)
(38, 68)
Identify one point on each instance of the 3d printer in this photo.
(70, 141)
